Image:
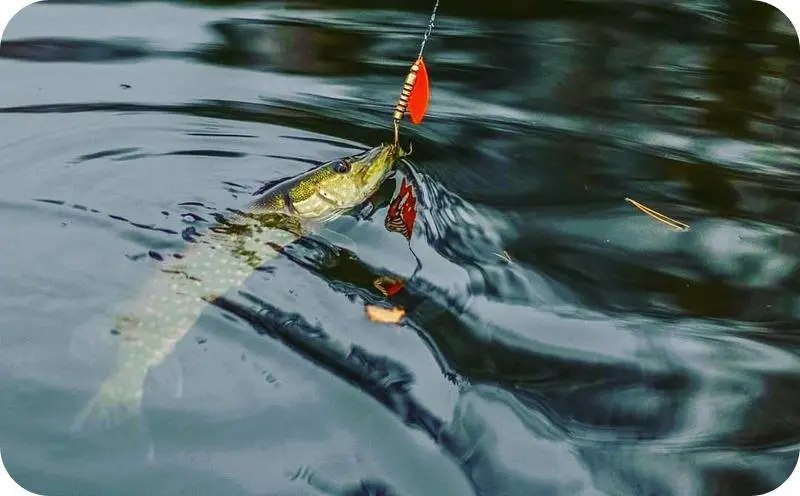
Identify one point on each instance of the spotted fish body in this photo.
(221, 260)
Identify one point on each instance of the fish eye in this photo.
(342, 167)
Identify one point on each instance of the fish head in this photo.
(348, 182)
(332, 188)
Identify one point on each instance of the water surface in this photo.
(610, 354)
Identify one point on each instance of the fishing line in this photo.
(429, 30)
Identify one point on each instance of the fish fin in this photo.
(106, 411)
(93, 341)
(308, 227)
(420, 94)
(270, 184)
(116, 402)
(168, 377)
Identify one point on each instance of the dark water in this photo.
(612, 355)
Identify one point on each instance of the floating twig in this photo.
(675, 224)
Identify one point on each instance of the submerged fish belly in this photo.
(166, 310)
(168, 307)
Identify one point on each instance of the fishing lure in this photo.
(416, 92)
(415, 95)
(402, 211)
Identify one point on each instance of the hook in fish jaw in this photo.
(403, 153)
(410, 149)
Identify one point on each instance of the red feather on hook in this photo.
(420, 94)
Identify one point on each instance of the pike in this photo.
(225, 256)
(220, 260)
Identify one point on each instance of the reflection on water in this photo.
(558, 341)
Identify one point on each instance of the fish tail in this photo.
(116, 402)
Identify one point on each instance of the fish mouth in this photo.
(368, 174)
(387, 154)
